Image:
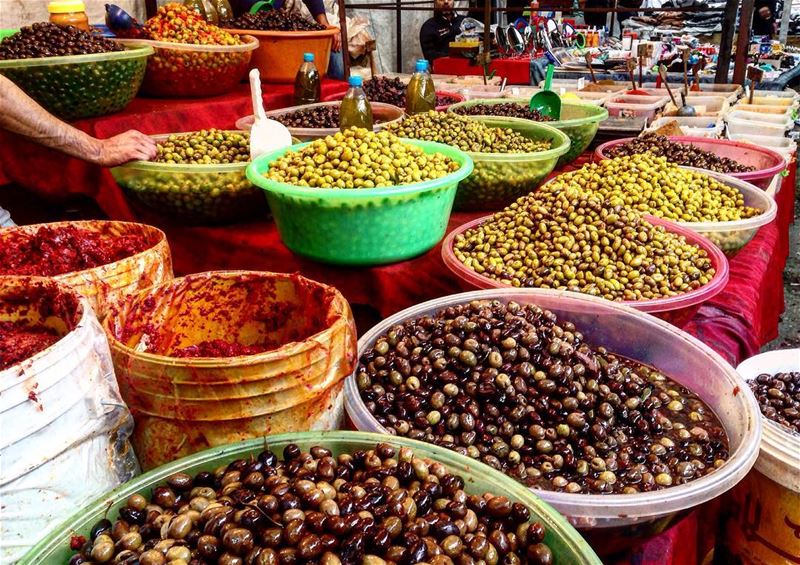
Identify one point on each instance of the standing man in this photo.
(437, 33)
(764, 17)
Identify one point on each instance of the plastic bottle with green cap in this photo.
(421, 94)
(307, 83)
(355, 110)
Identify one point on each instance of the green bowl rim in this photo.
(257, 168)
(128, 53)
(602, 113)
(553, 152)
(550, 516)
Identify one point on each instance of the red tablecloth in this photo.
(517, 71)
(736, 322)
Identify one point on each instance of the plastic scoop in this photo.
(265, 135)
(262, 6)
(547, 102)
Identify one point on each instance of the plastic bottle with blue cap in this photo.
(307, 82)
(356, 110)
(421, 93)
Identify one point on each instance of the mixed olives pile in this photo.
(571, 238)
(273, 20)
(393, 91)
(466, 134)
(205, 147)
(317, 117)
(51, 40)
(679, 153)
(177, 23)
(520, 390)
(505, 109)
(358, 158)
(779, 398)
(374, 507)
(649, 184)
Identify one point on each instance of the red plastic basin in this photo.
(677, 310)
(767, 162)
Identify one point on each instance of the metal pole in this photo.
(726, 41)
(343, 31)
(398, 36)
(743, 41)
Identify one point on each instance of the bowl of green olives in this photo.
(197, 177)
(360, 197)
(579, 120)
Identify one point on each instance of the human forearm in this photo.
(20, 114)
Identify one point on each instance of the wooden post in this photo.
(743, 41)
(399, 36)
(726, 41)
(343, 31)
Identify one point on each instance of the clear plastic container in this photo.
(184, 405)
(578, 120)
(677, 310)
(713, 106)
(382, 114)
(81, 86)
(766, 98)
(732, 236)
(693, 126)
(613, 523)
(577, 84)
(730, 91)
(566, 543)
(500, 178)
(484, 91)
(739, 122)
(199, 194)
(767, 163)
(788, 93)
(394, 223)
(184, 70)
(761, 512)
(781, 145)
(787, 111)
(629, 105)
(596, 98)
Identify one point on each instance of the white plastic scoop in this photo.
(266, 135)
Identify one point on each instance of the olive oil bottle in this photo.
(421, 94)
(307, 84)
(355, 110)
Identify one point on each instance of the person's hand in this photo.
(129, 146)
(765, 12)
(322, 19)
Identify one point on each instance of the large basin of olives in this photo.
(579, 120)
(192, 193)
(362, 226)
(616, 522)
(81, 86)
(565, 542)
(501, 178)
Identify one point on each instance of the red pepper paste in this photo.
(220, 348)
(19, 342)
(63, 249)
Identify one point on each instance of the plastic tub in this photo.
(566, 543)
(762, 99)
(184, 405)
(732, 236)
(596, 98)
(105, 285)
(739, 122)
(628, 105)
(713, 106)
(613, 523)
(730, 91)
(763, 510)
(764, 109)
(81, 86)
(440, 94)
(578, 120)
(280, 53)
(767, 163)
(383, 115)
(60, 409)
(184, 70)
(357, 226)
(577, 84)
(482, 91)
(192, 193)
(676, 310)
(781, 145)
(788, 93)
(693, 126)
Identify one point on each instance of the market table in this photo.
(516, 70)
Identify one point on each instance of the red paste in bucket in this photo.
(56, 250)
(220, 348)
(19, 341)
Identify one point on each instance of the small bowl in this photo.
(677, 310)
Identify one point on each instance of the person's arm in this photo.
(21, 114)
(317, 9)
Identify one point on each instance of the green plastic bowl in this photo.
(500, 178)
(81, 86)
(197, 194)
(567, 545)
(358, 226)
(579, 120)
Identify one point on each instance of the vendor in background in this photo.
(22, 115)
(437, 33)
(764, 17)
